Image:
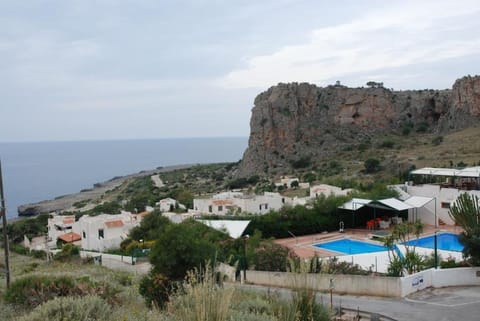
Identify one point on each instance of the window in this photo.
(100, 234)
(210, 208)
(445, 204)
(260, 207)
(84, 234)
(283, 200)
(220, 208)
(266, 206)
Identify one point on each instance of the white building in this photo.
(236, 202)
(443, 194)
(60, 226)
(105, 231)
(327, 190)
(287, 181)
(168, 204)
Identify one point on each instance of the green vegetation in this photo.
(465, 211)
(411, 262)
(372, 165)
(299, 220)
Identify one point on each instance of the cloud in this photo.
(393, 37)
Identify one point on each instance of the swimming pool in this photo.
(445, 241)
(347, 246)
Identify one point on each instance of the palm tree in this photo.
(465, 211)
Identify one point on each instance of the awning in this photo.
(233, 228)
(418, 201)
(466, 172)
(355, 204)
(393, 203)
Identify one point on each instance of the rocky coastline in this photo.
(66, 202)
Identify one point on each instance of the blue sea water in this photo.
(38, 171)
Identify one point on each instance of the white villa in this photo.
(105, 231)
(168, 204)
(443, 194)
(327, 190)
(60, 227)
(237, 202)
(97, 233)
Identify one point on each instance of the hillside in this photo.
(303, 127)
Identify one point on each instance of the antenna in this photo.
(4, 227)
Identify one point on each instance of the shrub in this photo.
(301, 163)
(372, 165)
(155, 289)
(201, 298)
(437, 140)
(387, 144)
(422, 127)
(37, 289)
(71, 309)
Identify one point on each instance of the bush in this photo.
(34, 290)
(437, 140)
(155, 289)
(301, 163)
(372, 165)
(68, 252)
(201, 298)
(72, 309)
(422, 127)
(387, 144)
(270, 256)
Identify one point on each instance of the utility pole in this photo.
(4, 226)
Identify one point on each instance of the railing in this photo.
(352, 314)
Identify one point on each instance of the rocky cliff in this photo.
(293, 124)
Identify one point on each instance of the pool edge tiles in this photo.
(347, 246)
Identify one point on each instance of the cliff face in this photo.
(292, 123)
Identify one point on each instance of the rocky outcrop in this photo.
(295, 123)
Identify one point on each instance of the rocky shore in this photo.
(66, 202)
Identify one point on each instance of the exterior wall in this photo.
(220, 204)
(166, 204)
(54, 232)
(88, 227)
(327, 190)
(440, 278)
(442, 196)
(343, 284)
(370, 285)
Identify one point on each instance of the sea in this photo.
(38, 171)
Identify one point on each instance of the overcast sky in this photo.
(117, 69)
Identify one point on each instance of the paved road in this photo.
(445, 304)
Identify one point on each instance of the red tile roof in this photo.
(69, 220)
(116, 223)
(70, 237)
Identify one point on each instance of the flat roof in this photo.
(434, 171)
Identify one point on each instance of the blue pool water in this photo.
(347, 246)
(445, 241)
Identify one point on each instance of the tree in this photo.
(372, 165)
(465, 211)
(183, 247)
(270, 256)
(151, 227)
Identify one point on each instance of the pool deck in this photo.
(303, 247)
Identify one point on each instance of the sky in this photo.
(136, 69)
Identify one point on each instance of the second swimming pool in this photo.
(348, 246)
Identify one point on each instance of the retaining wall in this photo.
(369, 285)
